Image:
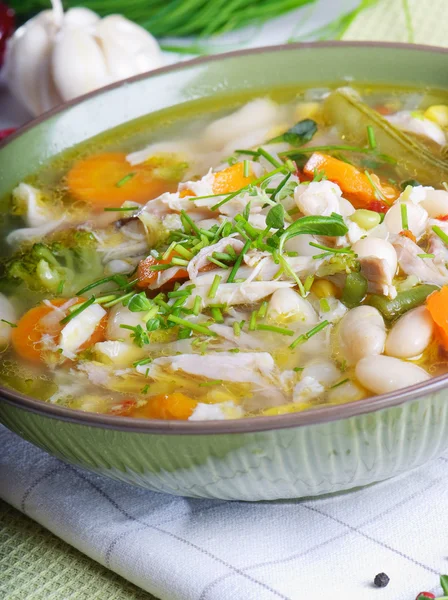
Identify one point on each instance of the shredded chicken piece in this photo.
(427, 270)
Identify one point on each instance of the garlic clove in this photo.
(128, 48)
(80, 17)
(26, 50)
(78, 64)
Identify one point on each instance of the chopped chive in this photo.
(404, 217)
(308, 282)
(235, 350)
(145, 389)
(197, 306)
(187, 219)
(324, 305)
(231, 251)
(441, 234)
(8, 323)
(253, 321)
(217, 314)
(168, 251)
(77, 311)
(236, 329)
(263, 310)
(281, 330)
(208, 234)
(179, 249)
(378, 193)
(179, 293)
(311, 149)
(119, 299)
(105, 299)
(246, 168)
(306, 336)
(193, 326)
(208, 383)
(143, 361)
(239, 260)
(280, 186)
(154, 253)
(61, 286)
(248, 152)
(371, 137)
(121, 209)
(160, 267)
(274, 162)
(344, 250)
(180, 302)
(179, 262)
(339, 383)
(120, 280)
(125, 179)
(298, 369)
(287, 269)
(426, 255)
(223, 256)
(214, 287)
(217, 262)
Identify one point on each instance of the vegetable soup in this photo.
(282, 253)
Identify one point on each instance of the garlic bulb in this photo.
(58, 56)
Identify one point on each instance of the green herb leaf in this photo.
(332, 226)
(444, 583)
(298, 135)
(139, 303)
(139, 335)
(275, 218)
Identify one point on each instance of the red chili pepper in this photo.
(5, 132)
(378, 206)
(442, 217)
(7, 24)
(425, 595)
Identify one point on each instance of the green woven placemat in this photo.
(37, 565)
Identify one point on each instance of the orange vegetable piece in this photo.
(437, 304)
(407, 233)
(175, 406)
(231, 179)
(355, 185)
(146, 276)
(100, 180)
(26, 337)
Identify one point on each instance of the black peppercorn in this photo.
(381, 580)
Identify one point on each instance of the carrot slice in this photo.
(166, 406)
(355, 184)
(27, 336)
(231, 179)
(437, 304)
(108, 179)
(146, 276)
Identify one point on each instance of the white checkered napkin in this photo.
(188, 549)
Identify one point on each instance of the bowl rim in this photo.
(318, 415)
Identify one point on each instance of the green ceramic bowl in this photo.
(305, 454)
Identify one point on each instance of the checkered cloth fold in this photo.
(189, 549)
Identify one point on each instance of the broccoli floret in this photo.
(61, 266)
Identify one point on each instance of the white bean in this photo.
(411, 334)
(361, 333)
(285, 302)
(378, 248)
(121, 315)
(7, 313)
(383, 374)
(436, 203)
(417, 218)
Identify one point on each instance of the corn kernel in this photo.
(438, 113)
(323, 288)
(307, 110)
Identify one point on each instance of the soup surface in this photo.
(271, 257)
